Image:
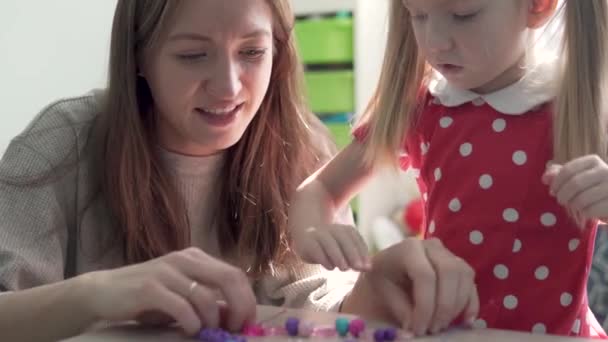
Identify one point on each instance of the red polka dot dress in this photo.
(479, 161)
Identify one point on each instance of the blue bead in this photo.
(390, 334)
(342, 326)
(379, 335)
(291, 325)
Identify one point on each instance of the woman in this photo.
(165, 196)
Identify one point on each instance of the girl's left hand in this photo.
(581, 185)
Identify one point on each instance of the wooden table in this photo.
(277, 316)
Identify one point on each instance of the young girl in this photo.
(509, 147)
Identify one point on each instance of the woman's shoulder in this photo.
(53, 136)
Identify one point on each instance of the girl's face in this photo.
(474, 44)
(210, 73)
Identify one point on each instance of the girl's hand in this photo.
(417, 284)
(581, 185)
(181, 286)
(332, 246)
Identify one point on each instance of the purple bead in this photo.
(379, 335)
(356, 327)
(291, 325)
(390, 334)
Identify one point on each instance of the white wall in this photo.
(49, 50)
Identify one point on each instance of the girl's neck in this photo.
(505, 79)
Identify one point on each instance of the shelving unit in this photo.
(389, 189)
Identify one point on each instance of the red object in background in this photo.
(413, 216)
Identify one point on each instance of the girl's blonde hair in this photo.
(579, 127)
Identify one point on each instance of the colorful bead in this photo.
(379, 335)
(253, 330)
(342, 326)
(305, 329)
(356, 327)
(390, 334)
(291, 325)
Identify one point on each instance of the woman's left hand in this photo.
(581, 185)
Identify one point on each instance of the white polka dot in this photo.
(499, 125)
(576, 327)
(501, 272)
(520, 158)
(510, 215)
(466, 149)
(446, 122)
(510, 302)
(437, 174)
(455, 205)
(476, 237)
(432, 227)
(539, 328)
(541, 273)
(486, 182)
(424, 148)
(573, 244)
(548, 219)
(516, 246)
(480, 324)
(479, 102)
(565, 299)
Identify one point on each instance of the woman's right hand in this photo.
(180, 286)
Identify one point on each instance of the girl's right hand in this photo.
(180, 286)
(332, 246)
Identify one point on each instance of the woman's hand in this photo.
(417, 284)
(181, 286)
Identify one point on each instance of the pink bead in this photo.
(305, 329)
(274, 331)
(356, 327)
(253, 330)
(324, 331)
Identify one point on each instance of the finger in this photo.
(598, 210)
(466, 286)
(174, 305)
(417, 266)
(348, 239)
(399, 304)
(315, 254)
(471, 311)
(589, 197)
(577, 184)
(363, 251)
(569, 170)
(332, 250)
(200, 297)
(231, 281)
(448, 271)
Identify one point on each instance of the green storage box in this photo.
(331, 91)
(341, 133)
(325, 40)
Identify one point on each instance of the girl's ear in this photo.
(540, 11)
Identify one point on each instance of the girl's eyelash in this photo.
(465, 17)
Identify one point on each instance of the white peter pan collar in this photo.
(537, 87)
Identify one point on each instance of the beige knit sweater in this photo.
(37, 221)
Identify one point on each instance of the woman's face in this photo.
(209, 76)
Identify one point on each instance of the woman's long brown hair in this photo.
(260, 174)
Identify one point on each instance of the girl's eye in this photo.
(465, 17)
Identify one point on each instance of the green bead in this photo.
(342, 326)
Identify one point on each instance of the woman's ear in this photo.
(540, 11)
